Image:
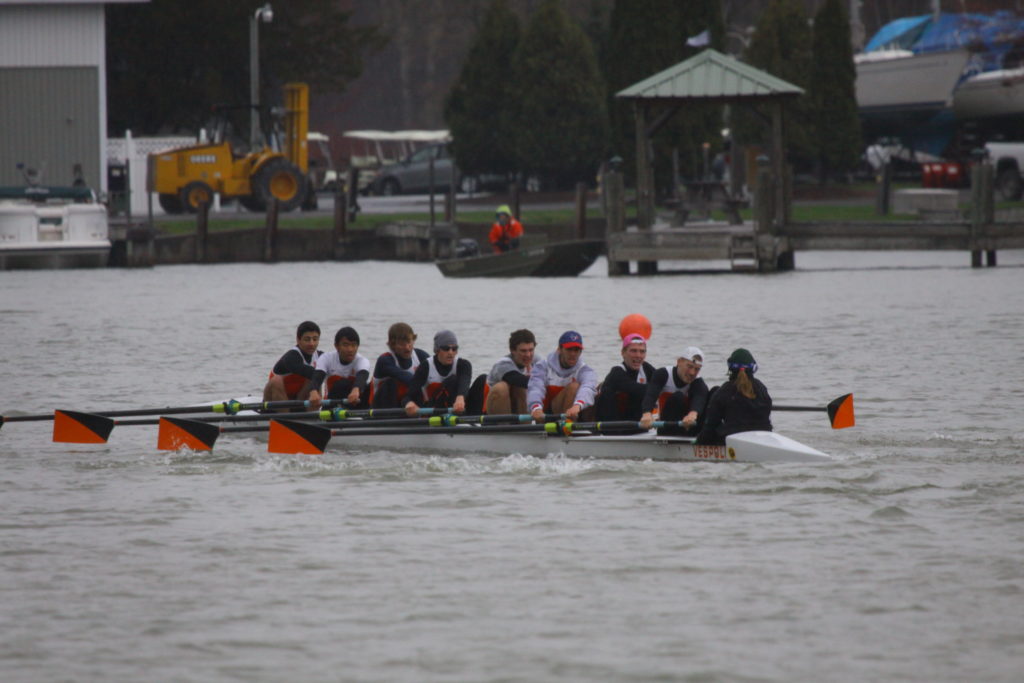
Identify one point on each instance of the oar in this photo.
(840, 411)
(230, 407)
(75, 427)
(70, 426)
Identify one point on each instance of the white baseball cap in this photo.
(692, 353)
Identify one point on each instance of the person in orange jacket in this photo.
(506, 231)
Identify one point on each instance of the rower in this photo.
(395, 367)
(741, 404)
(677, 394)
(506, 231)
(344, 373)
(442, 381)
(562, 382)
(291, 378)
(509, 377)
(625, 385)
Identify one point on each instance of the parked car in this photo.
(412, 174)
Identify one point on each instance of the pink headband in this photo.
(633, 339)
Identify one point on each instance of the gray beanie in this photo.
(445, 338)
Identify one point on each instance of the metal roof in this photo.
(710, 75)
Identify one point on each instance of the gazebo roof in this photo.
(710, 76)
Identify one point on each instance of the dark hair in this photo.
(518, 337)
(306, 326)
(400, 332)
(346, 333)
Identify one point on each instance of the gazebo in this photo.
(712, 78)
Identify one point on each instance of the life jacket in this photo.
(293, 382)
(670, 388)
(336, 370)
(401, 387)
(435, 380)
(621, 398)
(556, 383)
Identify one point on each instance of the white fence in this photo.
(135, 151)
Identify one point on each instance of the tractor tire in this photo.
(282, 181)
(1009, 187)
(252, 202)
(170, 203)
(196, 194)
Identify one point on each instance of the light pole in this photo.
(265, 14)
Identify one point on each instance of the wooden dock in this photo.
(768, 243)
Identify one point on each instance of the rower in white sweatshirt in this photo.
(562, 383)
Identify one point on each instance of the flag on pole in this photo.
(699, 40)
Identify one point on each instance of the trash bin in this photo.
(118, 188)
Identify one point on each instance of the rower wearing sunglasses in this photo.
(443, 380)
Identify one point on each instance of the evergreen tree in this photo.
(558, 112)
(476, 108)
(170, 60)
(781, 46)
(837, 126)
(648, 37)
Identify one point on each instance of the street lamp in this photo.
(266, 15)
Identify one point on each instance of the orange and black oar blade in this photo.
(840, 412)
(176, 432)
(292, 437)
(73, 427)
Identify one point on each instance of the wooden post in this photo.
(615, 216)
(982, 209)
(270, 238)
(514, 200)
(202, 230)
(340, 231)
(883, 190)
(644, 179)
(430, 182)
(449, 198)
(779, 208)
(764, 194)
(581, 210)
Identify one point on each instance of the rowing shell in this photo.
(762, 447)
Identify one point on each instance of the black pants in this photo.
(342, 388)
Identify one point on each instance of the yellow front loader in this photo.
(187, 177)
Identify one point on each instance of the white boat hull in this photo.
(912, 82)
(53, 236)
(990, 94)
(746, 447)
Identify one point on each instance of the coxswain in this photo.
(509, 377)
(624, 387)
(677, 394)
(741, 404)
(395, 367)
(442, 380)
(562, 383)
(506, 231)
(343, 374)
(291, 378)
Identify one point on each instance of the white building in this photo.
(53, 90)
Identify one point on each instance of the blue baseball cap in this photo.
(570, 339)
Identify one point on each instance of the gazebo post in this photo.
(778, 180)
(644, 179)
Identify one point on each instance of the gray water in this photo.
(902, 560)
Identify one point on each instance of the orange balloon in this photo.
(635, 323)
